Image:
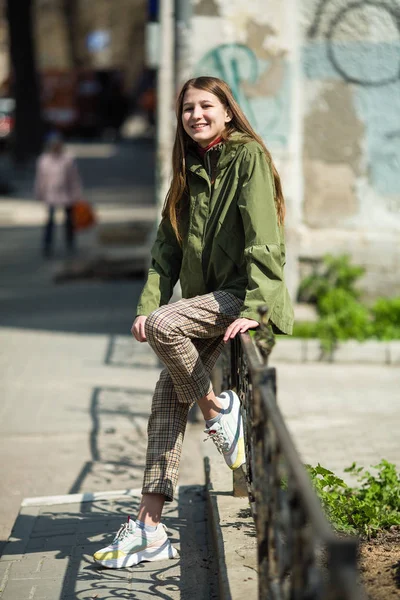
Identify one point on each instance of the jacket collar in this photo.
(228, 152)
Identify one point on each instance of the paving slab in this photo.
(49, 553)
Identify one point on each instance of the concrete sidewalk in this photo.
(77, 393)
(49, 554)
(338, 414)
(74, 420)
(76, 396)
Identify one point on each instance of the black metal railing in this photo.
(299, 555)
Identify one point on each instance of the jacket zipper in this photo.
(208, 165)
(208, 170)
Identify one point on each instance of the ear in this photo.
(228, 115)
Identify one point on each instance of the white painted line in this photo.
(72, 498)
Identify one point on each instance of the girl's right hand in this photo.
(137, 329)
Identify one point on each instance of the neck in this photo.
(202, 150)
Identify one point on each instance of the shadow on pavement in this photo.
(52, 547)
(118, 440)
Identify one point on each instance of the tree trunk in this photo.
(28, 133)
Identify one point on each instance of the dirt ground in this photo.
(380, 566)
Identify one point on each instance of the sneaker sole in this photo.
(241, 455)
(164, 552)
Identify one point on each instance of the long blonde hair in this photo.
(174, 202)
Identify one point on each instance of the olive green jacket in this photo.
(232, 239)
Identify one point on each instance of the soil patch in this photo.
(380, 565)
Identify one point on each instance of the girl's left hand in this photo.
(239, 326)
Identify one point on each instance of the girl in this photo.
(221, 235)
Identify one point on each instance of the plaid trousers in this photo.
(187, 336)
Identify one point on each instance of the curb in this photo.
(233, 533)
(85, 497)
(370, 352)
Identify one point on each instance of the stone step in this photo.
(232, 532)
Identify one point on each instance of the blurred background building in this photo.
(89, 59)
(319, 79)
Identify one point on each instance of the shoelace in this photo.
(122, 532)
(125, 530)
(219, 439)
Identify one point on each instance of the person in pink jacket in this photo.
(58, 185)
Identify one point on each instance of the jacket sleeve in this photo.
(262, 251)
(166, 259)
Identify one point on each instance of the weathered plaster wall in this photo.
(252, 47)
(351, 135)
(244, 45)
(320, 81)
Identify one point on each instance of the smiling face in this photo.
(203, 116)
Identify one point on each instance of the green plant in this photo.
(341, 317)
(366, 509)
(332, 287)
(305, 329)
(335, 272)
(386, 318)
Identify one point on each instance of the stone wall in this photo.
(320, 81)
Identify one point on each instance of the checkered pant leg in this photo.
(170, 331)
(167, 423)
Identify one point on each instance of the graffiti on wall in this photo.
(259, 79)
(235, 64)
(380, 72)
(358, 43)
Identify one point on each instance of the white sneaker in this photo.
(227, 433)
(133, 545)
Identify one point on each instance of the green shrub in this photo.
(305, 329)
(335, 272)
(365, 510)
(332, 287)
(342, 317)
(386, 318)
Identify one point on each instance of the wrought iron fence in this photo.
(299, 555)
